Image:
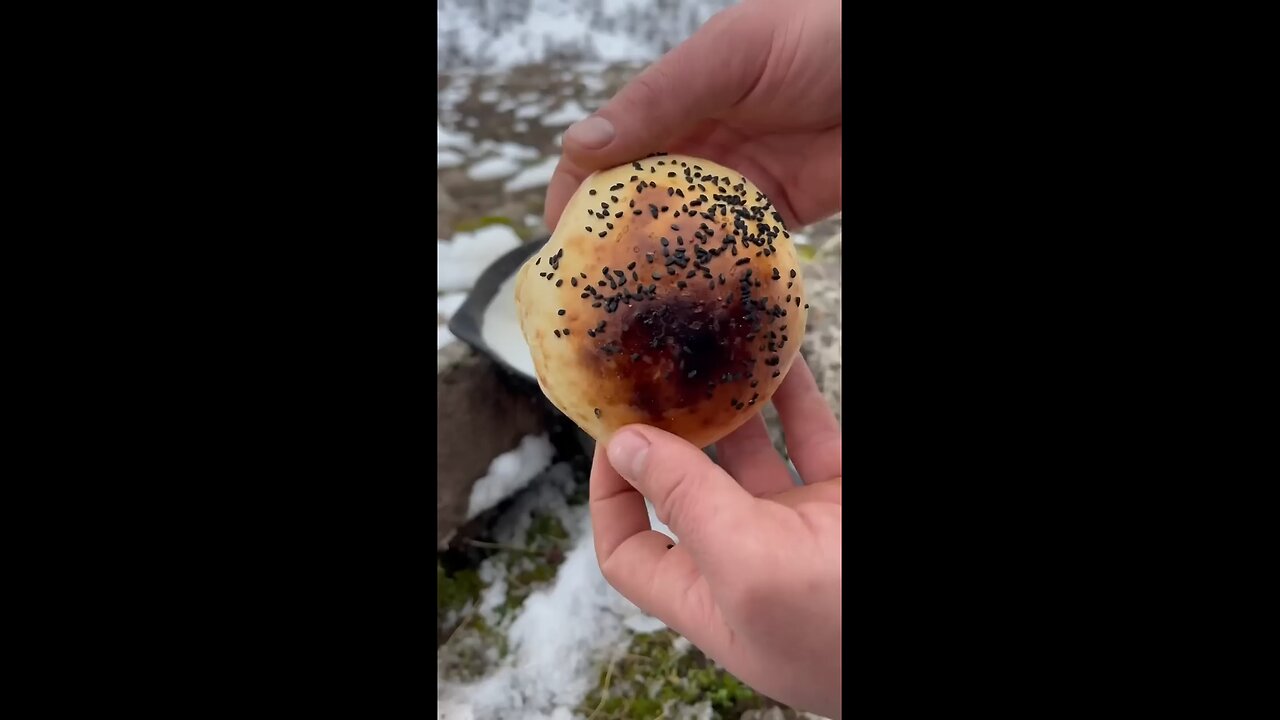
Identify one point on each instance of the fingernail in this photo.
(628, 451)
(594, 133)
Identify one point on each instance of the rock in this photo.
(479, 415)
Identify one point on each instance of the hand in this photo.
(755, 579)
(757, 89)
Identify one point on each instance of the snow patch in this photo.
(568, 114)
(643, 624)
(492, 169)
(498, 36)
(531, 177)
(459, 262)
(449, 158)
(510, 472)
(443, 337)
(450, 138)
(527, 112)
(509, 150)
(559, 638)
(448, 303)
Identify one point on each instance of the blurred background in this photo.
(525, 625)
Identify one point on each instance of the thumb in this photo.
(702, 77)
(691, 494)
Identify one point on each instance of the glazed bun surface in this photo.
(669, 295)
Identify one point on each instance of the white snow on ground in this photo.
(450, 138)
(502, 35)
(443, 337)
(510, 472)
(593, 83)
(509, 150)
(531, 177)
(448, 303)
(571, 112)
(449, 158)
(557, 641)
(526, 112)
(459, 262)
(562, 634)
(492, 169)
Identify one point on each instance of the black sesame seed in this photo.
(793, 273)
(657, 276)
(560, 311)
(573, 281)
(597, 412)
(588, 227)
(591, 192)
(559, 283)
(566, 331)
(557, 333)
(602, 233)
(742, 261)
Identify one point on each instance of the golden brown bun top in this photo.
(669, 295)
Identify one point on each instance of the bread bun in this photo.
(669, 295)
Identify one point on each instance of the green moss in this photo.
(652, 676)
(473, 224)
(545, 528)
(546, 542)
(455, 590)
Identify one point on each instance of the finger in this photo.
(809, 426)
(748, 455)
(617, 509)
(695, 498)
(644, 565)
(564, 183)
(702, 77)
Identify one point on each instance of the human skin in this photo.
(754, 581)
(757, 89)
